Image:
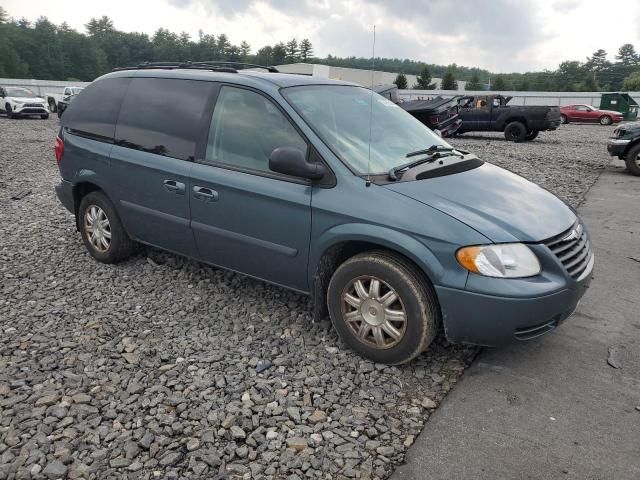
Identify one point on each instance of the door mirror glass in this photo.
(292, 161)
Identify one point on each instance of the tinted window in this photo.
(95, 110)
(245, 129)
(163, 116)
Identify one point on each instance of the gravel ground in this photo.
(149, 369)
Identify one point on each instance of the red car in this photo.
(588, 114)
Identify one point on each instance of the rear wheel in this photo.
(531, 135)
(564, 119)
(605, 120)
(632, 160)
(102, 231)
(381, 307)
(515, 132)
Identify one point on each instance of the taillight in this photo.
(59, 149)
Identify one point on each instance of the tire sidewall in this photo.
(515, 127)
(630, 160)
(605, 120)
(120, 243)
(421, 317)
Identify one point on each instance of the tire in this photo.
(59, 113)
(632, 159)
(416, 309)
(9, 110)
(605, 120)
(564, 119)
(116, 248)
(44, 116)
(532, 135)
(53, 108)
(515, 132)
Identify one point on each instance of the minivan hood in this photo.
(501, 205)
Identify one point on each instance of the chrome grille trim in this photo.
(573, 249)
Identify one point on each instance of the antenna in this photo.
(373, 64)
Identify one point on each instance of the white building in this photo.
(355, 75)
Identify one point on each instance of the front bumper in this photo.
(616, 147)
(64, 191)
(30, 109)
(490, 320)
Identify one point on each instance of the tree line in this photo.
(43, 50)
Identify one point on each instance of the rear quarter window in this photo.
(163, 116)
(95, 110)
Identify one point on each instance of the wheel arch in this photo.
(520, 119)
(338, 245)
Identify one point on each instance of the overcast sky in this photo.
(499, 35)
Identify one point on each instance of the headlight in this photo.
(507, 260)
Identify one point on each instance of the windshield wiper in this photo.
(433, 153)
(431, 149)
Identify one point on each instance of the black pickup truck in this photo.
(490, 113)
(439, 114)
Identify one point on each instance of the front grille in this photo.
(572, 249)
(34, 105)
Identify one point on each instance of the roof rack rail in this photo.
(217, 66)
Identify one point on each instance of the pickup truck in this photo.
(439, 114)
(53, 99)
(491, 113)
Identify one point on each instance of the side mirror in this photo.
(291, 161)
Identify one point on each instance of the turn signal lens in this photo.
(507, 260)
(59, 149)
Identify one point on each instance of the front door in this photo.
(245, 217)
(159, 126)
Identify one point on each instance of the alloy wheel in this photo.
(374, 312)
(97, 228)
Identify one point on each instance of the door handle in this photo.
(206, 194)
(174, 186)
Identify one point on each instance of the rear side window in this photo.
(163, 116)
(95, 110)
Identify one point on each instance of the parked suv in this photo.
(20, 102)
(322, 187)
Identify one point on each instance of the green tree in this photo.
(423, 81)
(449, 80)
(245, 51)
(474, 83)
(279, 53)
(401, 81)
(4, 16)
(628, 56)
(98, 26)
(265, 56)
(292, 51)
(498, 83)
(632, 82)
(306, 50)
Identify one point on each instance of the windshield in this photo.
(340, 115)
(19, 92)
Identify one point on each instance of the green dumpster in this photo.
(620, 102)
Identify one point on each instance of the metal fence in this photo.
(41, 87)
(520, 98)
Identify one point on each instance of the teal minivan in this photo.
(325, 188)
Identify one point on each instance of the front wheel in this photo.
(102, 231)
(605, 120)
(633, 160)
(382, 307)
(531, 135)
(515, 132)
(9, 110)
